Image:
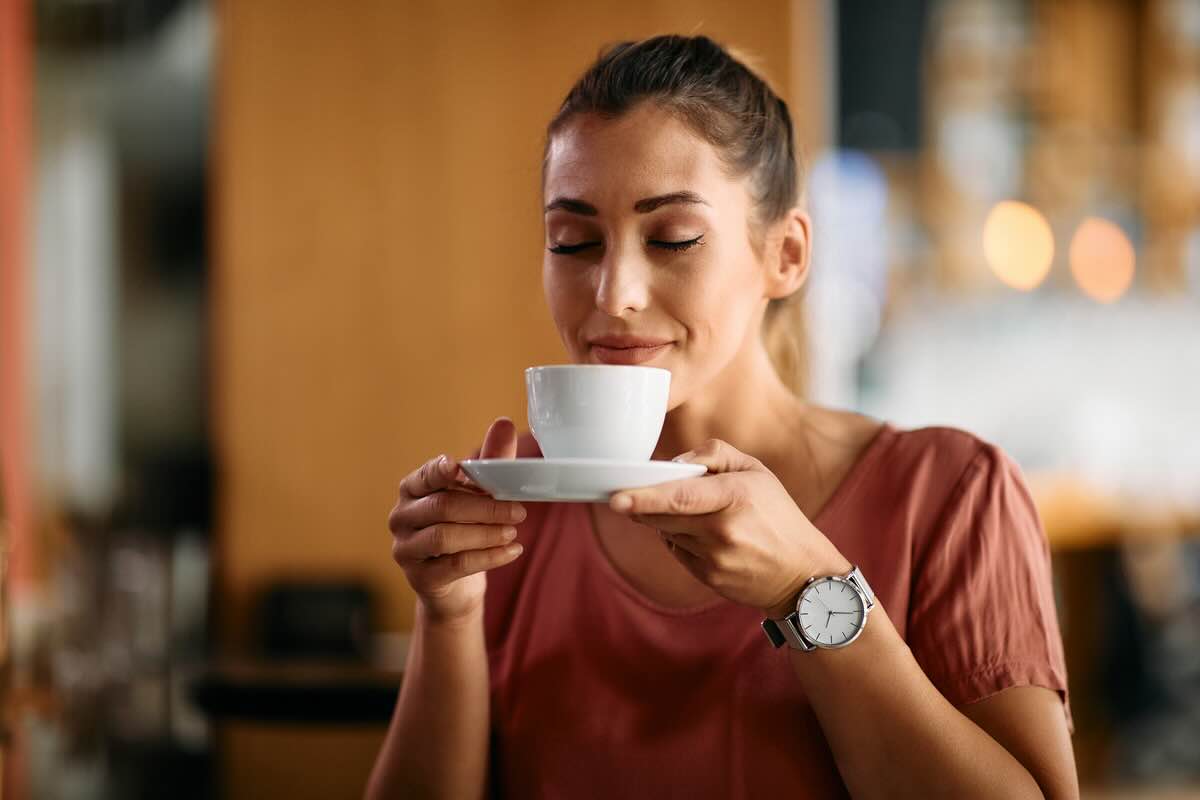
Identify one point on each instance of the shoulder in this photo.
(977, 489)
(903, 468)
(948, 461)
(970, 462)
(942, 450)
(947, 482)
(951, 450)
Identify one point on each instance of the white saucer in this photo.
(578, 480)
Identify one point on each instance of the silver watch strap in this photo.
(857, 578)
(792, 632)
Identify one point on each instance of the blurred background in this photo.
(260, 259)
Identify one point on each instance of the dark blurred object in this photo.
(313, 641)
(296, 692)
(1159, 732)
(328, 621)
(80, 26)
(152, 771)
(171, 491)
(879, 74)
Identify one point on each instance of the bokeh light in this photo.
(1102, 259)
(1018, 244)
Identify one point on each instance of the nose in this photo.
(622, 285)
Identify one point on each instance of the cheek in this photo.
(567, 300)
(717, 301)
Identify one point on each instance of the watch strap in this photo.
(787, 631)
(774, 634)
(856, 577)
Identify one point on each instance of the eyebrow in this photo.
(643, 206)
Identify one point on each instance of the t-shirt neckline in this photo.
(861, 468)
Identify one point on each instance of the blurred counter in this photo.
(1077, 516)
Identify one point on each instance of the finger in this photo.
(464, 483)
(700, 526)
(432, 476)
(703, 495)
(444, 569)
(462, 480)
(500, 440)
(449, 537)
(720, 456)
(461, 507)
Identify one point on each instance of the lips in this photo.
(625, 349)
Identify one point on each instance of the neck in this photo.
(746, 405)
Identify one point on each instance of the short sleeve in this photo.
(982, 617)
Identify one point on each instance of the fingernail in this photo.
(509, 534)
(517, 513)
(622, 502)
(683, 458)
(514, 549)
(443, 462)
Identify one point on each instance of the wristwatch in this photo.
(831, 612)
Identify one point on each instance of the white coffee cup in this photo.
(608, 411)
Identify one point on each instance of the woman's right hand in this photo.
(446, 533)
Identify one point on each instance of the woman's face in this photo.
(649, 257)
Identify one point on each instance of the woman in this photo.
(616, 651)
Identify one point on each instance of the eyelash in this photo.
(567, 249)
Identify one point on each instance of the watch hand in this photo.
(828, 618)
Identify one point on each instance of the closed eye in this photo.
(687, 244)
(567, 249)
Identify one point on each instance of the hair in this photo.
(734, 110)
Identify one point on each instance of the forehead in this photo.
(643, 152)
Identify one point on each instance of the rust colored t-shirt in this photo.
(596, 691)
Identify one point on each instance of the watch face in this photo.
(831, 612)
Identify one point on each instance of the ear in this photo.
(790, 251)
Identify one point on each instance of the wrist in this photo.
(434, 618)
(833, 563)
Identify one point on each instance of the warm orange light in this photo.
(1018, 244)
(1102, 259)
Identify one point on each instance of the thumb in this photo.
(500, 440)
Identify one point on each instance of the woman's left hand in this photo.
(736, 529)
